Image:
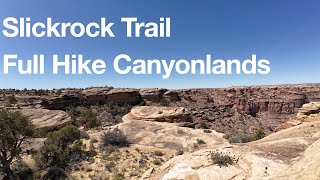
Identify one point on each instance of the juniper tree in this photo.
(15, 129)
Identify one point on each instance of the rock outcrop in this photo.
(63, 102)
(50, 119)
(96, 96)
(124, 96)
(158, 114)
(283, 155)
(153, 94)
(309, 112)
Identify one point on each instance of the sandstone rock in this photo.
(310, 112)
(51, 119)
(124, 96)
(153, 95)
(284, 155)
(158, 113)
(63, 102)
(172, 95)
(308, 167)
(96, 95)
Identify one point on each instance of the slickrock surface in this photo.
(158, 113)
(52, 119)
(283, 155)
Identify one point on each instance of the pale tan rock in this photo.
(52, 119)
(158, 113)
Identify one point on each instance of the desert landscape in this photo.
(253, 132)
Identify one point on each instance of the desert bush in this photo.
(258, 134)
(158, 153)
(114, 138)
(88, 119)
(56, 150)
(243, 138)
(22, 171)
(41, 132)
(111, 114)
(223, 159)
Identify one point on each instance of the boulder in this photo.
(309, 112)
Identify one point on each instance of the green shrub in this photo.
(223, 159)
(88, 119)
(258, 134)
(15, 130)
(114, 138)
(41, 132)
(56, 150)
(22, 171)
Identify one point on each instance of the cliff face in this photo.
(233, 110)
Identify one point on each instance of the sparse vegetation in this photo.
(243, 138)
(56, 151)
(41, 132)
(258, 134)
(88, 119)
(158, 153)
(114, 138)
(223, 159)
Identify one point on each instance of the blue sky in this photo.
(285, 32)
